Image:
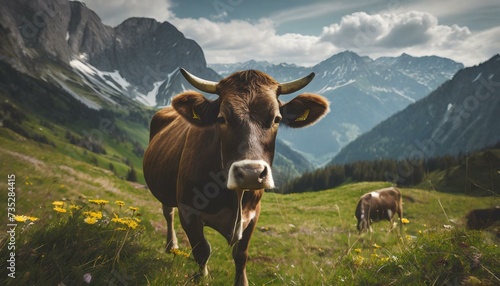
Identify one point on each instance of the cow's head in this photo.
(247, 114)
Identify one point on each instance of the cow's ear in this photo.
(195, 108)
(304, 110)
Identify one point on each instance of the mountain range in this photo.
(59, 62)
(140, 58)
(362, 91)
(460, 116)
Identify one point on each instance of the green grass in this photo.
(63, 248)
(301, 239)
(114, 132)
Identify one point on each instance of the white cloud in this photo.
(237, 40)
(467, 48)
(417, 33)
(384, 34)
(447, 8)
(311, 11)
(390, 31)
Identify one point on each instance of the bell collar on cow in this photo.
(211, 86)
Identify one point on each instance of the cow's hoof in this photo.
(172, 248)
(199, 276)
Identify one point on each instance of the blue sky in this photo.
(306, 33)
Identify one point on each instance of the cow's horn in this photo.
(294, 85)
(199, 83)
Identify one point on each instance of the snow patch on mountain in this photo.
(330, 88)
(89, 103)
(104, 82)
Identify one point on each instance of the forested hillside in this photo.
(473, 174)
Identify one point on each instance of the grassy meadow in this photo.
(301, 239)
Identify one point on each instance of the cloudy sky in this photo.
(305, 33)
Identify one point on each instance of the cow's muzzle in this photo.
(250, 175)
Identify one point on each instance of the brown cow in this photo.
(212, 159)
(379, 205)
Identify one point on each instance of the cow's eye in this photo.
(277, 119)
(221, 120)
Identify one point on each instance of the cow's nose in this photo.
(250, 174)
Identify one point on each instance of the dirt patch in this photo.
(32, 160)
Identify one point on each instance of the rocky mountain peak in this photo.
(142, 54)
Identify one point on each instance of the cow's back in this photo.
(161, 160)
(391, 194)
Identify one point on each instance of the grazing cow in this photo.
(212, 158)
(379, 205)
(483, 218)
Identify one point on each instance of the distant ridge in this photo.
(459, 117)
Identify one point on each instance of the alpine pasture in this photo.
(301, 239)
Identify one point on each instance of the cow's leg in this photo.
(369, 221)
(400, 214)
(240, 252)
(390, 218)
(199, 244)
(391, 227)
(168, 213)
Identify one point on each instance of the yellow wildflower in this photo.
(405, 221)
(74, 207)
(120, 203)
(58, 204)
(93, 214)
(384, 259)
(129, 222)
(134, 209)
(90, 220)
(358, 250)
(374, 255)
(99, 202)
(358, 260)
(177, 251)
(60, 210)
(20, 218)
(376, 245)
